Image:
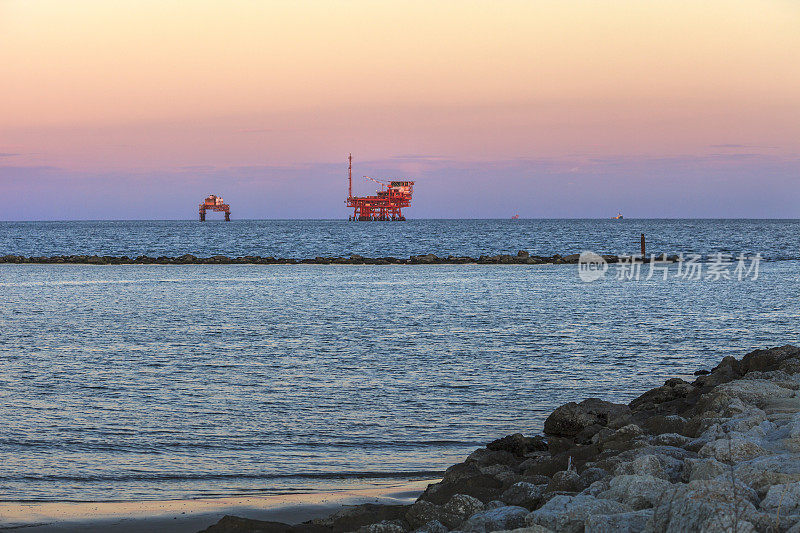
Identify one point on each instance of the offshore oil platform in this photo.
(214, 203)
(388, 202)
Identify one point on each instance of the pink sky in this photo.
(543, 108)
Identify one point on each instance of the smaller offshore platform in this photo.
(388, 202)
(214, 203)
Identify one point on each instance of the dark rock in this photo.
(518, 444)
(767, 360)
(701, 372)
(664, 424)
(523, 254)
(484, 456)
(536, 479)
(523, 494)
(484, 487)
(565, 481)
(547, 466)
(570, 419)
(353, 517)
(461, 507)
(673, 389)
(451, 515)
(622, 439)
(556, 445)
(591, 475)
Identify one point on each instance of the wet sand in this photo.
(191, 516)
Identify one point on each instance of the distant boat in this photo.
(515, 217)
(618, 217)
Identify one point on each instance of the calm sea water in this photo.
(151, 381)
(775, 239)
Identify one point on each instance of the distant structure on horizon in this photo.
(214, 203)
(388, 202)
(618, 217)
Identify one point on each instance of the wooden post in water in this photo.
(642, 246)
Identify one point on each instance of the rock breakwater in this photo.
(521, 258)
(720, 453)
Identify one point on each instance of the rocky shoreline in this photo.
(719, 454)
(521, 258)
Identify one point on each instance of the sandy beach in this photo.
(179, 516)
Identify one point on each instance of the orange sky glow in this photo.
(91, 85)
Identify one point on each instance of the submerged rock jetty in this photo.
(718, 454)
(521, 258)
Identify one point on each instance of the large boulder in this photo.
(498, 519)
(713, 505)
(518, 444)
(637, 492)
(466, 478)
(771, 359)
(569, 513)
(432, 527)
(660, 466)
(699, 469)
(632, 522)
(763, 472)
(732, 449)
(572, 418)
(784, 498)
(451, 514)
(523, 494)
(385, 526)
(565, 481)
(672, 390)
(352, 517)
(462, 506)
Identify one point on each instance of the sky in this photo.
(543, 108)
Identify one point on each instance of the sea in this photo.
(152, 382)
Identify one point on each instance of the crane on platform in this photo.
(386, 204)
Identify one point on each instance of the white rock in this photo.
(784, 497)
(569, 513)
(637, 492)
(463, 506)
(697, 469)
(528, 529)
(508, 517)
(706, 506)
(661, 466)
(669, 439)
(758, 392)
(632, 522)
(734, 448)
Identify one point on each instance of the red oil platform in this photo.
(215, 203)
(388, 202)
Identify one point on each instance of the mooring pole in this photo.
(642, 246)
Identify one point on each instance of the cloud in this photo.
(419, 157)
(8, 154)
(729, 146)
